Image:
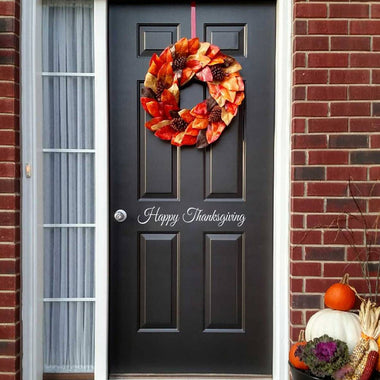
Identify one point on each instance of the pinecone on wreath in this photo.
(217, 73)
(160, 89)
(179, 124)
(215, 115)
(179, 63)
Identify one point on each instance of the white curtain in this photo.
(68, 103)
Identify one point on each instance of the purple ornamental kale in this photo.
(324, 355)
(325, 351)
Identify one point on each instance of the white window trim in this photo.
(32, 258)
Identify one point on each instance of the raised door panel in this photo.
(158, 262)
(224, 283)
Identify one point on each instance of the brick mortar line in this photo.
(315, 277)
(328, 35)
(337, 101)
(336, 149)
(349, 69)
(8, 356)
(11, 373)
(343, 85)
(337, 134)
(12, 259)
(302, 245)
(329, 166)
(10, 291)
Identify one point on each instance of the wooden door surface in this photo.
(191, 296)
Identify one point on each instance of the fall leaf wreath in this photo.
(175, 67)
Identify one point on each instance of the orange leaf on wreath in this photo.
(203, 48)
(202, 59)
(184, 139)
(187, 74)
(153, 121)
(156, 59)
(191, 131)
(213, 51)
(231, 108)
(231, 83)
(166, 55)
(166, 75)
(214, 131)
(226, 116)
(216, 61)
(240, 83)
(194, 65)
(174, 90)
(216, 93)
(235, 67)
(193, 45)
(239, 98)
(150, 81)
(200, 109)
(169, 98)
(153, 107)
(182, 47)
(144, 101)
(154, 69)
(169, 107)
(228, 95)
(200, 123)
(166, 133)
(159, 125)
(186, 115)
(155, 64)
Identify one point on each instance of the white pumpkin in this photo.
(342, 325)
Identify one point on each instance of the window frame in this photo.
(32, 190)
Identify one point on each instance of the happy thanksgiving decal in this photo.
(154, 214)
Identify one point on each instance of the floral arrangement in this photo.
(176, 66)
(339, 343)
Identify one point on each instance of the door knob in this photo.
(120, 215)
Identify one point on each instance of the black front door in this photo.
(191, 296)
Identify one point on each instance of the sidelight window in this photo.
(69, 188)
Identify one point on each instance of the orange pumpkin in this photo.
(340, 296)
(295, 360)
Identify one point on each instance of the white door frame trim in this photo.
(281, 195)
(101, 189)
(31, 192)
(32, 258)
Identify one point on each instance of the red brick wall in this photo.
(9, 191)
(335, 137)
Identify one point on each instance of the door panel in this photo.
(158, 261)
(224, 284)
(193, 295)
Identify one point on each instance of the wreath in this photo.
(176, 66)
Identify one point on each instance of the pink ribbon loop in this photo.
(193, 20)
